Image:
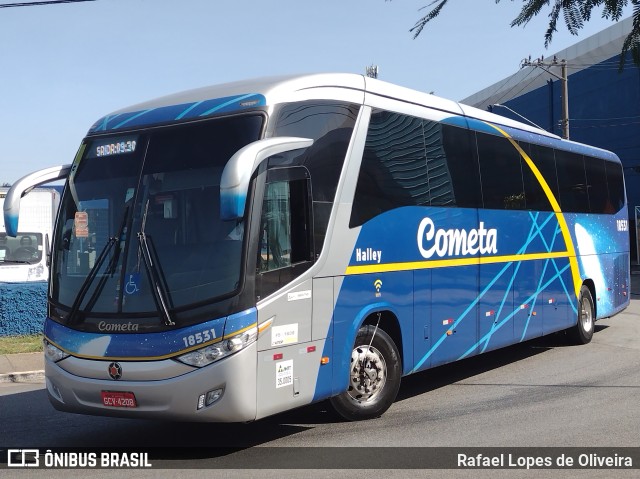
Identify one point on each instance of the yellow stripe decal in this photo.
(264, 326)
(445, 263)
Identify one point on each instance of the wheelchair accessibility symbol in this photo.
(132, 286)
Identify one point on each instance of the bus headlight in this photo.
(214, 352)
(53, 353)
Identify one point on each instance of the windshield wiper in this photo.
(159, 283)
(86, 284)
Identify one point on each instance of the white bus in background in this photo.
(24, 257)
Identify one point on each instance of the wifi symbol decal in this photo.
(378, 285)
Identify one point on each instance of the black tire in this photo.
(582, 332)
(370, 393)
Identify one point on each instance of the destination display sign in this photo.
(113, 146)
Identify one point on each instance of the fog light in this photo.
(209, 398)
(213, 396)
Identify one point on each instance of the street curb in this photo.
(23, 377)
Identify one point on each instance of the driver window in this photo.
(285, 248)
(275, 233)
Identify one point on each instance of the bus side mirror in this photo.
(234, 183)
(23, 186)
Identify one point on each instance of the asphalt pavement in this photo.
(29, 367)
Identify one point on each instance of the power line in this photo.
(517, 83)
(633, 117)
(524, 87)
(35, 4)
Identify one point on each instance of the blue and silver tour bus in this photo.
(231, 252)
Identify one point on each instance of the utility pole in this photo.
(540, 63)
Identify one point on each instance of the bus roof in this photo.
(267, 91)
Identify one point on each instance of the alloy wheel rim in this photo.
(368, 374)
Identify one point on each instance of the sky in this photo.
(64, 66)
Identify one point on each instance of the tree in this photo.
(575, 13)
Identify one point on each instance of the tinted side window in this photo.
(543, 159)
(414, 162)
(462, 164)
(394, 171)
(330, 125)
(615, 182)
(572, 181)
(597, 185)
(440, 184)
(500, 173)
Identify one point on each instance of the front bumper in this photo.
(175, 398)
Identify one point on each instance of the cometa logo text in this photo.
(455, 242)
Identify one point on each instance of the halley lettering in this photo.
(455, 242)
(368, 254)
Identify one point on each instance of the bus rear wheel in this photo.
(374, 376)
(582, 332)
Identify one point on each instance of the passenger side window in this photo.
(615, 182)
(572, 182)
(394, 171)
(597, 185)
(462, 169)
(501, 173)
(410, 161)
(544, 160)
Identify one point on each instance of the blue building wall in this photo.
(23, 308)
(604, 111)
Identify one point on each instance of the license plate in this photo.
(118, 399)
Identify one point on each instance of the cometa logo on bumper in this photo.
(455, 242)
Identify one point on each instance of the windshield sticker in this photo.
(132, 286)
(81, 224)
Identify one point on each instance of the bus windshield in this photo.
(139, 230)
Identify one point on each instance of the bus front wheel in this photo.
(582, 332)
(374, 376)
